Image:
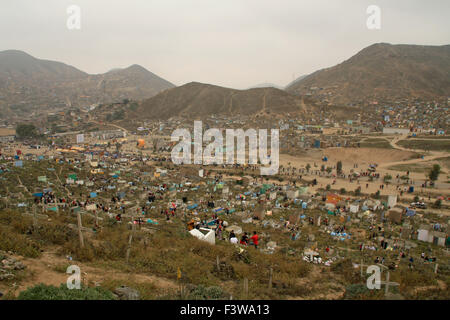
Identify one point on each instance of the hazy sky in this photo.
(233, 43)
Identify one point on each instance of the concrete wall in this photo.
(395, 131)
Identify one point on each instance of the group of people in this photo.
(245, 239)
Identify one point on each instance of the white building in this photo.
(395, 131)
(426, 234)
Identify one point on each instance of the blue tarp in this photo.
(192, 206)
(151, 221)
(317, 144)
(39, 194)
(18, 163)
(93, 195)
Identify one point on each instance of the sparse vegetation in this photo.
(44, 292)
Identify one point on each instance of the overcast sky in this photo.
(232, 43)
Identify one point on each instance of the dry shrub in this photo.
(18, 243)
(345, 268)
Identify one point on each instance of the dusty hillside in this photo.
(197, 99)
(382, 72)
(29, 84)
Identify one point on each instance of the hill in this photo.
(199, 100)
(28, 84)
(135, 82)
(382, 72)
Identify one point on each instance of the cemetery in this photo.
(170, 227)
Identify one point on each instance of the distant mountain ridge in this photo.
(28, 82)
(382, 72)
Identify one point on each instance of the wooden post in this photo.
(436, 268)
(129, 243)
(245, 288)
(7, 197)
(387, 283)
(362, 267)
(218, 263)
(270, 278)
(34, 216)
(80, 233)
(386, 286)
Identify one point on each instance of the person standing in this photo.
(244, 239)
(254, 240)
